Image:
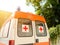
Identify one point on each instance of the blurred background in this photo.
(50, 9)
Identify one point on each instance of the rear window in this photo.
(40, 29)
(24, 28)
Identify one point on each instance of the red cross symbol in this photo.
(41, 28)
(25, 28)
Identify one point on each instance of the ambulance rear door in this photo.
(24, 32)
(41, 33)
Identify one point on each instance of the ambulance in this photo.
(25, 29)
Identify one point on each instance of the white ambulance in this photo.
(25, 29)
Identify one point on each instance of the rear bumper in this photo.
(41, 43)
(26, 44)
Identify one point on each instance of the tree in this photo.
(36, 5)
(54, 34)
(55, 8)
(50, 10)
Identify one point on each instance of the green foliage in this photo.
(58, 30)
(50, 10)
(54, 33)
(38, 12)
(35, 4)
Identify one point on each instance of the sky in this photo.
(12, 5)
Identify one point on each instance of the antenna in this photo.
(18, 9)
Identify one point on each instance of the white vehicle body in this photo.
(25, 29)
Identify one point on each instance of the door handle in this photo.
(36, 40)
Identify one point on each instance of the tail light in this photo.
(11, 42)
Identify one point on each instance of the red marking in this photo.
(25, 28)
(41, 29)
(11, 42)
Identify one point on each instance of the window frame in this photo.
(45, 31)
(21, 26)
(4, 31)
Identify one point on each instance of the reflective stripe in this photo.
(42, 43)
(2, 43)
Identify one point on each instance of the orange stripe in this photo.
(28, 16)
(2, 43)
(41, 43)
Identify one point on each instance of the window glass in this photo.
(40, 29)
(24, 28)
(6, 29)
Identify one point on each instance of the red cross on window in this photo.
(25, 28)
(41, 28)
